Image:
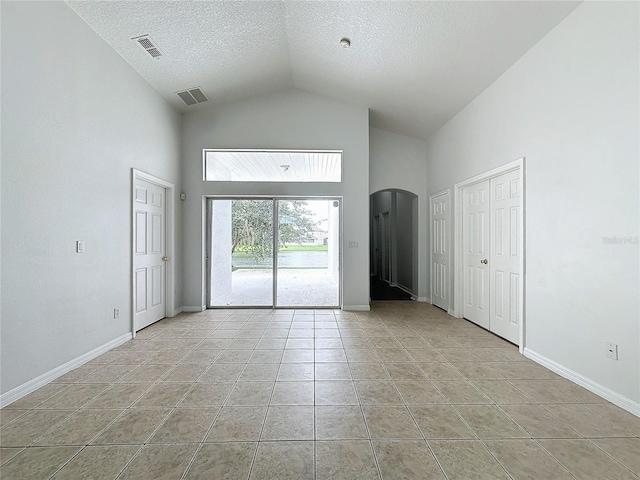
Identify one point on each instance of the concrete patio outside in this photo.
(309, 287)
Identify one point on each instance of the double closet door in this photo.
(492, 256)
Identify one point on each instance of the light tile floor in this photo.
(404, 391)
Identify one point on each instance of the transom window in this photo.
(273, 165)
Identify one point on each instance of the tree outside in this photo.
(252, 222)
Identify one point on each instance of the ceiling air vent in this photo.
(150, 47)
(193, 96)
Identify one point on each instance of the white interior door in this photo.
(504, 265)
(440, 251)
(149, 227)
(475, 234)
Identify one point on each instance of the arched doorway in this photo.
(393, 227)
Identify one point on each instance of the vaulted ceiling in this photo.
(414, 64)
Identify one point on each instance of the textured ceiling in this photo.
(414, 64)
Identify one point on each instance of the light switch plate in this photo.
(79, 247)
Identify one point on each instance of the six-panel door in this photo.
(439, 251)
(475, 233)
(149, 251)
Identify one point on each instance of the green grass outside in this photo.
(304, 248)
(233, 268)
(242, 253)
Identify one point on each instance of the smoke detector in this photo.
(345, 42)
(192, 96)
(149, 45)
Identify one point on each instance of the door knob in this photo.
(484, 261)
(165, 259)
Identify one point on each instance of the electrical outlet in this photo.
(116, 313)
(612, 351)
(353, 244)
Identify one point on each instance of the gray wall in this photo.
(571, 106)
(294, 120)
(75, 119)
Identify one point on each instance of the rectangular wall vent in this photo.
(193, 96)
(150, 47)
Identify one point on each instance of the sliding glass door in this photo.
(240, 253)
(308, 253)
(273, 252)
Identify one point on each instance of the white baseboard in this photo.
(600, 390)
(200, 308)
(423, 300)
(407, 290)
(356, 308)
(32, 385)
(176, 312)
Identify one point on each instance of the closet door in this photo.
(475, 233)
(440, 251)
(504, 260)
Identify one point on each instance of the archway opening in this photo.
(393, 229)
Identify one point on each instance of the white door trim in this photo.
(448, 236)
(170, 270)
(518, 164)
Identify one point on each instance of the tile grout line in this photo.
(174, 409)
(67, 462)
(126, 465)
(264, 420)
(584, 439)
(477, 437)
(366, 425)
(565, 468)
(204, 437)
(590, 440)
(416, 423)
(315, 422)
(364, 418)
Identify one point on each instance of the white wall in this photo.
(75, 119)
(571, 107)
(398, 162)
(294, 120)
